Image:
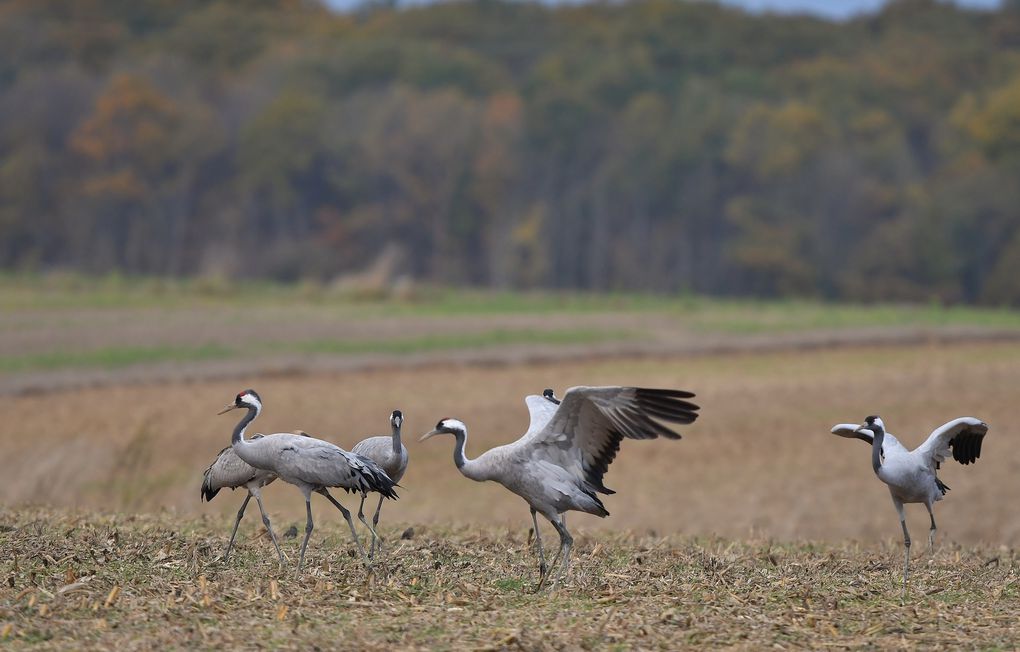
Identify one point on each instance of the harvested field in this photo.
(757, 529)
(87, 580)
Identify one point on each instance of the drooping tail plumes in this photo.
(943, 487)
(208, 491)
(369, 476)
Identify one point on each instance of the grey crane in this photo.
(308, 463)
(230, 471)
(911, 475)
(391, 456)
(559, 463)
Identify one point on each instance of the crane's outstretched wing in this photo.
(584, 433)
(963, 436)
(541, 410)
(849, 430)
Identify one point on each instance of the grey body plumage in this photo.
(391, 455)
(559, 463)
(228, 471)
(311, 464)
(911, 475)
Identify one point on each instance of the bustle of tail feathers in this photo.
(589, 491)
(208, 493)
(376, 479)
(943, 487)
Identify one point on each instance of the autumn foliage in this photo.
(655, 145)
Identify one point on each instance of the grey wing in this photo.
(541, 410)
(230, 471)
(380, 450)
(850, 430)
(322, 464)
(376, 448)
(584, 434)
(961, 436)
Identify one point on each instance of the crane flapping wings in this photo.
(584, 432)
(963, 436)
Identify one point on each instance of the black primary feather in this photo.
(637, 423)
(967, 446)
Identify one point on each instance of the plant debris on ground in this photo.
(105, 581)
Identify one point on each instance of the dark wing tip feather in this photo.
(668, 405)
(667, 393)
(967, 445)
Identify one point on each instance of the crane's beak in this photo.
(227, 408)
(429, 434)
(864, 430)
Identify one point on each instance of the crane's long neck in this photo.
(468, 467)
(238, 438)
(396, 440)
(876, 447)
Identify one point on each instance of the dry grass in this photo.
(86, 580)
(759, 463)
(705, 545)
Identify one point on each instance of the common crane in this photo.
(308, 463)
(558, 464)
(911, 475)
(391, 456)
(230, 471)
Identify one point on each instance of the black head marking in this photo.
(239, 400)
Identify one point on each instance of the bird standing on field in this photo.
(910, 475)
(558, 464)
(391, 456)
(229, 470)
(308, 463)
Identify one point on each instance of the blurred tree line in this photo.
(658, 145)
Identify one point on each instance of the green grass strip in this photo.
(113, 358)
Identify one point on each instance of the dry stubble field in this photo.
(758, 528)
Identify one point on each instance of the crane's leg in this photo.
(566, 543)
(350, 523)
(931, 532)
(265, 521)
(542, 567)
(375, 522)
(906, 543)
(237, 522)
(309, 526)
(361, 517)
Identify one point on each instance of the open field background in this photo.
(758, 528)
(760, 461)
